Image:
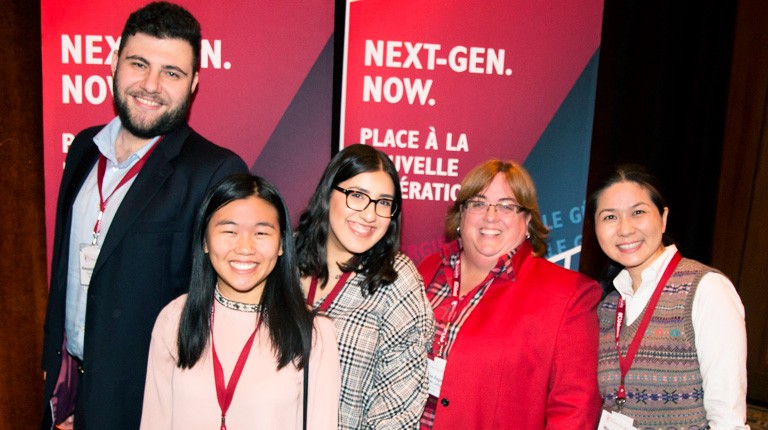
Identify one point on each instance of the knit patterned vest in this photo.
(664, 384)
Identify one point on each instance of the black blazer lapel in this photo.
(149, 180)
(80, 160)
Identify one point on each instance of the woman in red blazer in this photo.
(515, 336)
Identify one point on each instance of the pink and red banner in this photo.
(438, 85)
(266, 72)
(444, 85)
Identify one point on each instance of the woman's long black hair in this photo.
(283, 310)
(626, 173)
(376, 264)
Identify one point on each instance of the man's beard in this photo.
(164, 124)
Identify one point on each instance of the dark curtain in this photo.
(661, 100)
(23, 276)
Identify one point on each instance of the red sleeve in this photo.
(428, 267)
(574, 400)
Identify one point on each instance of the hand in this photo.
(68, 424)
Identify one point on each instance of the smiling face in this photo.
(153, 84)
(629, 227)
(488, 235)
(355, 232)
(243, 243)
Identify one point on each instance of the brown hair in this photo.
(522, 187)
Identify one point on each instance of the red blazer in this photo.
(526, 357)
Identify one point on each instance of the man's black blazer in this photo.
(144, 263)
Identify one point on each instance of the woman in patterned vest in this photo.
(672, 338)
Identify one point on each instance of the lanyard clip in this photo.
(621, 396)
(620, 403)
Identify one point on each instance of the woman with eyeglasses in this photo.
(348, 244)
(515, 343)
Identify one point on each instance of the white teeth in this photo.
(360, 228)
(489, 231)
(628, 245)
(147, 102)
(242, 266)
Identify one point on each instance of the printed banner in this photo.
(265, 86)
(442, 86)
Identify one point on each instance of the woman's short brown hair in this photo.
(522, 187)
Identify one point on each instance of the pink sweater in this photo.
(265, 397)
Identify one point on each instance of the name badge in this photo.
(436, 368)
(612, 420)
(88, 255)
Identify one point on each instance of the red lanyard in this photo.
(100, 172)
(326, 303)
(621, 308)
(457, 304)
(225, 392)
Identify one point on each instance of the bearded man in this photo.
(126, 205)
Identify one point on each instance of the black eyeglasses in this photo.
(481, 207)
(359, 201)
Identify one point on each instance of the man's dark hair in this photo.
(164, 20)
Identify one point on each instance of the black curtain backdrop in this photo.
(662, 89)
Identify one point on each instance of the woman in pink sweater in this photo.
(234, 351)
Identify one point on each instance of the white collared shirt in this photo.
(719, 332)
(85, 210)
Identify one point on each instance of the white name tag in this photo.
(612, 420)
(88, 255)
(436, 368)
